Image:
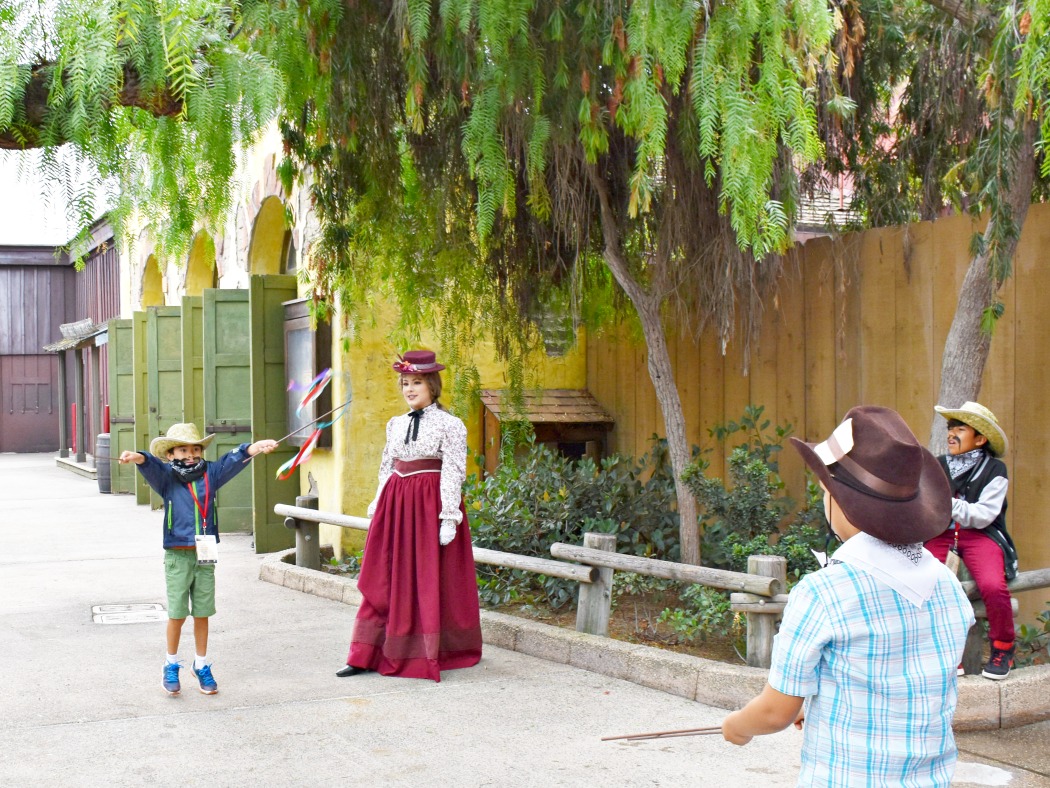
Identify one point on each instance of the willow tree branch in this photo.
(27, 131)
(964, 11)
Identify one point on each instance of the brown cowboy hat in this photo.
(886, 483)
(417, 362)
(179, 435)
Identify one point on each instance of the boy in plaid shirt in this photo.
(867, 652)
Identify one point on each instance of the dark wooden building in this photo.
(37, 294)
(39, 291)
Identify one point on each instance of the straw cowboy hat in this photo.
(179, 435)
(981, 419)
(886, 483)
(417, 362)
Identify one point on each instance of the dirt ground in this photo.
(635, 619)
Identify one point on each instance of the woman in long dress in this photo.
(419, 614)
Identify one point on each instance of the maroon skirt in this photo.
(419, 614)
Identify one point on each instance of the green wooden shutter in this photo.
(269, 409)
(227, 396)
(193, 360)
(121, 404)
(164, 362)
(140, 373)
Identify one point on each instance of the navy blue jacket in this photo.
(182, 519)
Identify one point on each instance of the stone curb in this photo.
(983, 704)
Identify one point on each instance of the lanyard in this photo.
(961, 494)
(202, 510)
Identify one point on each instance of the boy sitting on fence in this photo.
(869, 645)
(188, 483)
(976, 533)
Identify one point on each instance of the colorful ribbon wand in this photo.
(285, 471)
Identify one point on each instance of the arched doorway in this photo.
(152, 283)
(271, 237)
(200, 267)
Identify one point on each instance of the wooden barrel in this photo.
(103, 465)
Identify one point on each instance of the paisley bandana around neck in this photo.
(959, 464)
(913, 552)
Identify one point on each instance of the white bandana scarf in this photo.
(910, 570)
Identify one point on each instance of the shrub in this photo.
(541, 497)
(752, 515)
(1033, 643)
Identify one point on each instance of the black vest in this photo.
(968, 486)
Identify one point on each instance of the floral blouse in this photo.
(440, 435)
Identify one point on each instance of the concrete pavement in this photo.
(81, 703)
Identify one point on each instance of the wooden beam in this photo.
(1025, 581)
(482, 555)
(686, 573)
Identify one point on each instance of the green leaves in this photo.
(537, 497)
(159, 96)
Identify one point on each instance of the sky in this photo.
(25, 217)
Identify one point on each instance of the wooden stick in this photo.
(710, 731)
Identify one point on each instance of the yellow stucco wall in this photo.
(200, 266)
(347, 474)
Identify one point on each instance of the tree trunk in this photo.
(659, 363)
(647, 305)
(967, 346)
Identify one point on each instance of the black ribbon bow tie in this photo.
(413, 425)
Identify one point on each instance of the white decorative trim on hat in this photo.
(838, 444)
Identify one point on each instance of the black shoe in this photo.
(999, 665)
(350, 670)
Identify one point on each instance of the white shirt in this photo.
(441, 435)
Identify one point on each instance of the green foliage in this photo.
(750, 516)
(1033, 642)
(158, 97)
(702, 613)
(943, 95)
(541, 498)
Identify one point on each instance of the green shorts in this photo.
(191, 588)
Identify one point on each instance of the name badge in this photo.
(952, 562)
(207, 549)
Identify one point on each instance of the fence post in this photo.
(595, 599)
(307, 538)
(762, 626)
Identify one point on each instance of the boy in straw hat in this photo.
(187, 483)
(867, 651)
(976, 531)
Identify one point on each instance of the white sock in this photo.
(198, 661)
(173, 659)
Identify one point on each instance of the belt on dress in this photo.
(422, 465)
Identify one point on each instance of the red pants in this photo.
(984, 559)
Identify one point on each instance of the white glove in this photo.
(447, 532)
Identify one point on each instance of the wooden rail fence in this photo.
(757, 594)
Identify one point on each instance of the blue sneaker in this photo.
(171, 677)
(207, 681)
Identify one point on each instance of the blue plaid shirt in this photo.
(878, 675)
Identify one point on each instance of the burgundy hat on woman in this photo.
(417, 362)
(888, 485)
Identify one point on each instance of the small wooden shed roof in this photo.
(77, 335)
(550, 406)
